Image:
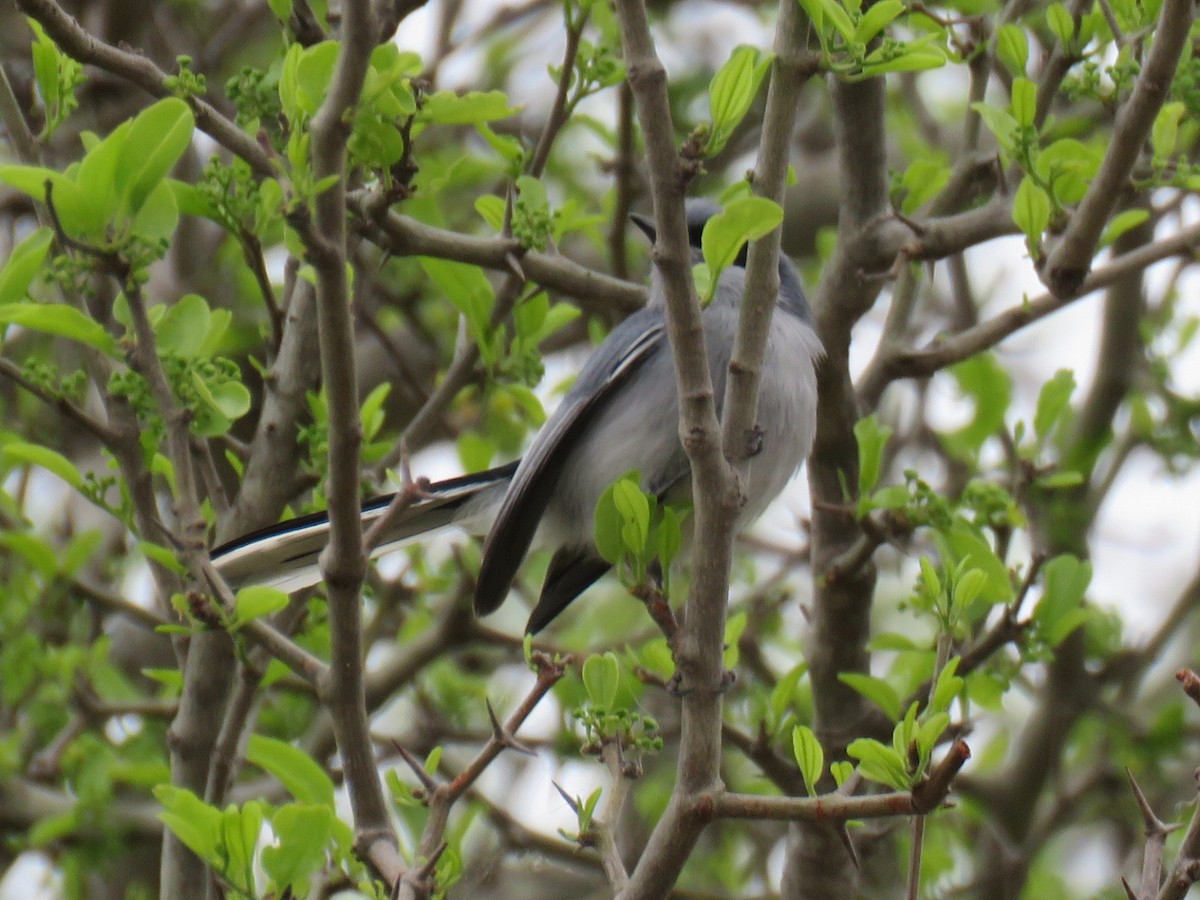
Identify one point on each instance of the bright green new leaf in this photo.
(876, 690)
(1065, 581)
(989, 386)
(999, 121)
(810, 757)
(878, 17)
(183, 327)
(923, 180)
(79, 215)
(469, 290)
(963, 542)
(947, 687)
(1012, 48)
(1061, 23)
(1165, 133)
(872, 438)
(1031, 212)
(301, 833)
(670, 536)
(1052, 400)
(732, 90)
(156, 140)
(913, 59)
(634, 508)
(193, 821)
(607, 524)
(601, 677)
(102, 167)
(1024, 101)
(50, 460)
(24, 263)
(1121, 223)
(295, 769)
(880, 763)
(491, 208)
(59, 319)
(725, 234)
(473, 107)
(258, 600)
(734, 627)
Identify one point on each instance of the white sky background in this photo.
(1147, 534)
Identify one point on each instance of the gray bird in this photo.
(621, 414)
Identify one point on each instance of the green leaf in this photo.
(295, 769)
(79, 215)
(50, 460)
(1065, 581)
(164, 556)
(872, 438)
(607, 525)
(734, 627)
(100, 169)
(669, 536)
(1165, 133)
(449, 108)
(601, 677)
(61, 320)
(835, 12)
(967, 589)
(878, 17)
(1060, 23)
(1068, 167)
(731, 92)
(1024, 101)
(874, 689)
(913, 59)
(24, 262)
(923, 180)
(313, 73)
(744, 219)
(183, 327)
(999, 121)
(1012, 48)
(962, 542)
(810, 757)
(469, 290)
(301, 832)
(1052, 400)
(193, 821)
(491, 208)
(634, 508)
(947, 687)
(156, 140)
(258, 600)
(988, 385)
(1121, 223)
(1031, 212)
(34, 550)
(880, 763)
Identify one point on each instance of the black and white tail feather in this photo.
(621, 414)
(285, 555)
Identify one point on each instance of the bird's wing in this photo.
(536, 479)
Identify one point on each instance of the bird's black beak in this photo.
(646, 225)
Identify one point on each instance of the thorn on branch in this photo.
(418, 769)
(503, 737)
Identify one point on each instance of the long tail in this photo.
(285, 555)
